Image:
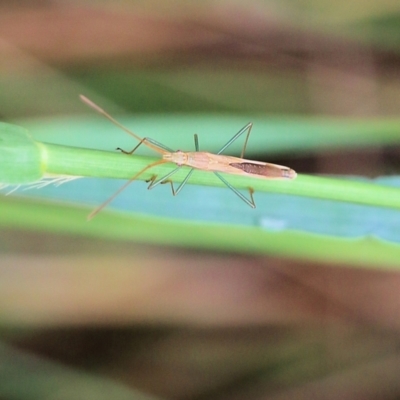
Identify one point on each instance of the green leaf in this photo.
(51, 217)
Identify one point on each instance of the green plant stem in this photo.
(63, 160)
(24, 160)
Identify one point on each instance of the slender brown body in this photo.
(230, 165)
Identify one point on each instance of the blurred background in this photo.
(86, 318)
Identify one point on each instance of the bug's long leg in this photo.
(250, 202)
(250, 125)
(151, 180)
(244, 129)
(180, 187)
(145, 141)
(133, 150)
(196, 142)
(154, 182)
(110, 199)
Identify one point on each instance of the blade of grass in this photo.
(368, 252)
(270, 135)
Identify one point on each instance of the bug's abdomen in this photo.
(265, 170)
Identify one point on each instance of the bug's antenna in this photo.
(105, 114)
(98, 109)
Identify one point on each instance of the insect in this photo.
(198, 160)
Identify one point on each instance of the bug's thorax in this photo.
(178, 157)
